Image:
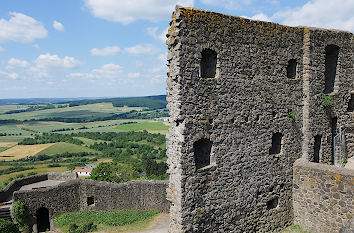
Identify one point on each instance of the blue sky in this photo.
(101, 48)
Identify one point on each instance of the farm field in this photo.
(84, 111)
(64, 147)
(5, 108)
(150, 126)
(22, 151)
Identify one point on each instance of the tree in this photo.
(114, 172)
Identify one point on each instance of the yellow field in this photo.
(22, 151)
(8, 144)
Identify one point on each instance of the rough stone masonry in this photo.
(247, 98)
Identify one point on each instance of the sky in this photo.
(114, 48)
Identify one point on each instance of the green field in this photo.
(3, 149)
(13, 130)
(84, 111)
(107, 221)
(5, 108)
(63, 147)
(149, 126)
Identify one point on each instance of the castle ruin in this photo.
(247, 99)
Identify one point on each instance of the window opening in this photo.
(351, 103)
(90, 201)
(276, 144)
(332, 52)
(208, 63)
(317, 148)
(273, 203)
(291, 68)
(334, 132)
(202, 150)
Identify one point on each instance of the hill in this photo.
(151, 102)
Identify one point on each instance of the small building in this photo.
(90, 166)
(83, 172)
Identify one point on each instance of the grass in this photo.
(150, 126)
(63, 147)
(88, 141)
(22, 151)
(294, 229)
(107, 221)
(83, 111)
(3, 149)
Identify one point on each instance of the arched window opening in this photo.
(317, 148)
(202, 150)
(332, 52)
(276, 144)
(208, 63)
(43, 223)
(351, 103)
(291, 69)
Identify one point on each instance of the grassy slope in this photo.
(63, 147)
(148, 126)
(108, 221)
(99, 109)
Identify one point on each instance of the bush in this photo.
(86, 227)
(21, 216)
(327, 100)
(8, 227)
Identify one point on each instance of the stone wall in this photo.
(6, 193)
(15, 185)
(255, 112)
(63, 176)
(319, 118)
(323, 197)
(73, 195)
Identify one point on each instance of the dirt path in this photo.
(159, 225)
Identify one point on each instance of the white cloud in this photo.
(126, 12)
(261, 17)
(108, 71)
(36, 46)
(52, 62)
(320, 13)
(13, 62)
(228, 4)
(21, 28)
(141, 49)
(2, 49)
(58, 26)
(10, 75)
(106, 51)
(153, 32)
(134, 75)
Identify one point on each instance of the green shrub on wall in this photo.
(8, 227)
(327, 100)
(21, 216)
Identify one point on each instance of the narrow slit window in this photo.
(208, 63)
(202, 150)
(351, 103)
(334, 132)
(317, 148)
(276, 144)
(291, 69)
(332, 52)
